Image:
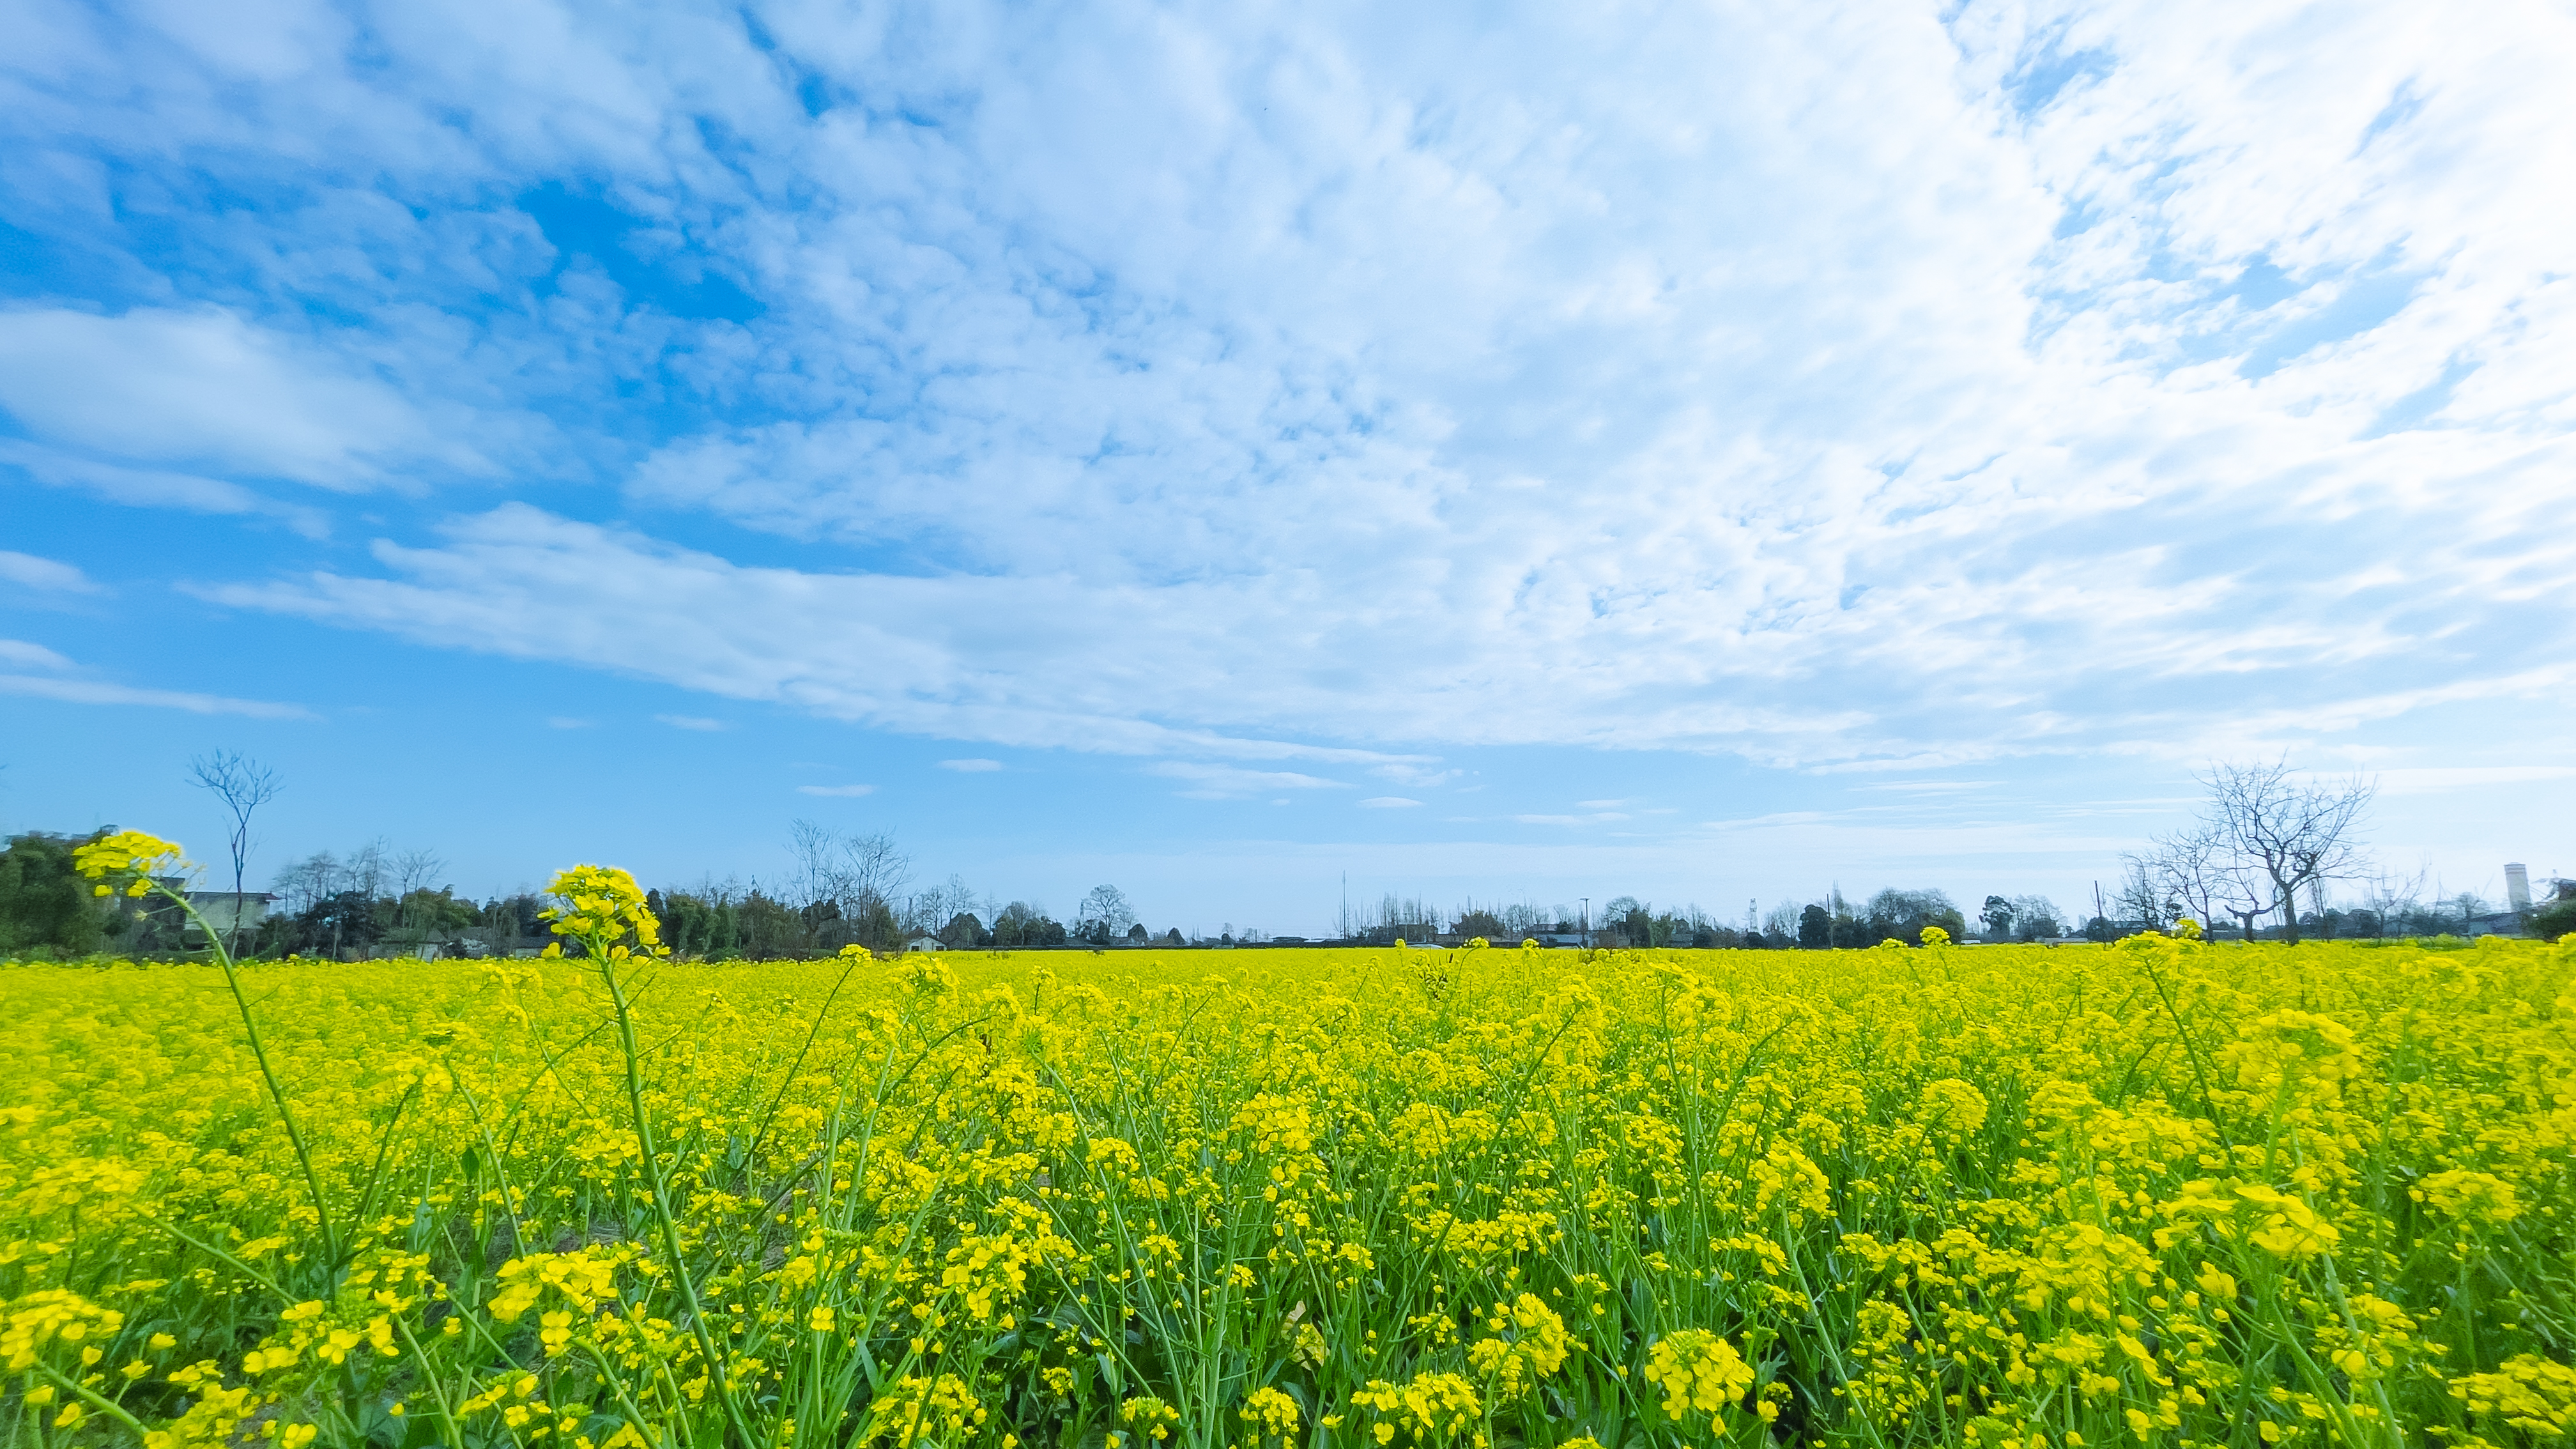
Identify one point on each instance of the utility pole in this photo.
(1585, 925)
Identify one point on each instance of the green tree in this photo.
(344, 920)
(1902, 915)
(1998, 918)
(964, 932)
(2556, 919)
(1815, 928)
(44, 903)
(437, 912)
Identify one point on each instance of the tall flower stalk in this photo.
(137, 865)
(604, 910)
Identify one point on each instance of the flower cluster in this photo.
(2160, 1195)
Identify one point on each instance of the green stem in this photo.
(653, 1181)
(267, 1074)
(103, 1405)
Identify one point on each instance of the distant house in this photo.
(1412, 933)
(925, 943)
(229, 913)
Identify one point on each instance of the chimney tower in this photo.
(2517, 887)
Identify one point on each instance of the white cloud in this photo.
(1590, 816)
(1823, 388)
(73, 689)
(23, 655)
(1421, 777)
(45, 575)
(1388, 802)
(971, 767)
(1230, 782)
(837, 791)
(696, 722)
(206, 387)
(157, 488)
(2443, 780)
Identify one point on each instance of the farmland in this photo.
(2155, 1193)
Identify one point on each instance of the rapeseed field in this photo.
(2157, 1193)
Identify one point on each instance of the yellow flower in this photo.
(2475, 1197)
(1270, 1414)
(128, 853)
(1697, 1370)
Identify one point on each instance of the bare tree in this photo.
(243, 785)
(1782, 921)
(413, 870)
(365, 869)
(816, 850)
(1104, 915)
(309, 881)
(848, 870)
(2394, 900)
(2241, 891)
(2037, 918)
(2188, 870)
(849, 887)
(2294, 831)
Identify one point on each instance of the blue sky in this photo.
(1708, 453)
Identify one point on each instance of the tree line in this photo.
(2269, 851)
(841, 890)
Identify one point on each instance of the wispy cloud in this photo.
(1873, 397)
(71, 689)
(67, 681)
(2439, 780)
(971, 767)
(204, 386)
(696, 722)
(1231, 782)
(840, 792)
(45, 575)
(159, 488)
(1388, 802)
(1589, 816)
(23, 655)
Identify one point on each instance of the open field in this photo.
(2155, 1193)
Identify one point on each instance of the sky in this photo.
(1249, 453)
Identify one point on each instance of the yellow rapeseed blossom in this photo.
(2155, 1194)
(1699, 1372)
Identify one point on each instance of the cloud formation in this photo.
(66, 681)
(203, 387)
(1872, 387)
(1231, 782)
(45, 575)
